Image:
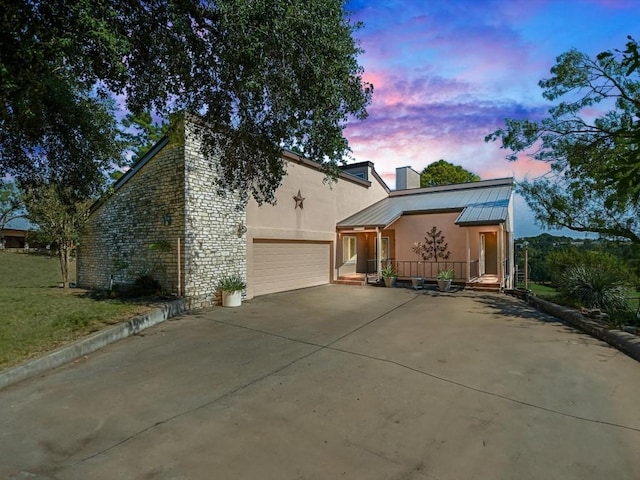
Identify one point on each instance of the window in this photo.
(359, 175)
(349, 249)
(385, 248)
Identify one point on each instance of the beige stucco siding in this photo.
(413, 228)
(325, 204)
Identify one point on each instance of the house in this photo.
(473, 221)
(166, 219)
(14, 235)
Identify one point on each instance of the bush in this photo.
(561, 261)
(594, 286)
(232, 283)
(145, 285)
(623, 318)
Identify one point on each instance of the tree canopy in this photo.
(11, 204)
(262, 75)
(142, 132)
(445, 173)
(591, 140)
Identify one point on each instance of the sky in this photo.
(448, 72)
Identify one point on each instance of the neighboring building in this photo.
(14, 235)
(166, 219)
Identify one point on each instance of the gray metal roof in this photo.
(20, 223)
(480, 203)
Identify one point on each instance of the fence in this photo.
(428, 270)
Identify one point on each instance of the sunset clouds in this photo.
(446, 74)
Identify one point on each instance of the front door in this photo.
(488, 253)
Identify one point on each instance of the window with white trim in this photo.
(385, 248)
(349, 252)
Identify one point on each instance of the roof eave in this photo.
(479, 223)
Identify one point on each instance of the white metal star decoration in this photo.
(299, 199)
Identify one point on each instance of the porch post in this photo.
(379, 251)
(468, 255)
(501, 253)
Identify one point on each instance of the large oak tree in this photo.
(591, 140)
(262, 74)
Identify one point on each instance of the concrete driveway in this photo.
(335, 382)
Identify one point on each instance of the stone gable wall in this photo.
(180, 182)
(215, 243)
(116, 239)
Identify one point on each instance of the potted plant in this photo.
(445, 277)
(231, 288)
(389, 275)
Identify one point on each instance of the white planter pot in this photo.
(232, 299)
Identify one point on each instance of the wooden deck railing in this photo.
(428, 270)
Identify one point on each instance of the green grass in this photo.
(36, 316)
(539, 289)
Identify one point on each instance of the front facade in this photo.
(166, 220)
(474, 222)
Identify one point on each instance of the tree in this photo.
(142, 133)
(10, 204)
(445, 173)
(262, 76)
(594, 185)
(59, 215)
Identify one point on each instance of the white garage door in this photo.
(282, 266)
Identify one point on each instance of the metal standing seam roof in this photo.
(485, 202)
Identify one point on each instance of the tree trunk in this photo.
(63, 254)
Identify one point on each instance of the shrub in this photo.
(622, 318)
(233, 283)
(593, 286)
(145, 285)
(561, 261)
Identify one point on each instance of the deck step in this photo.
(483, 287)
(351, 280)
(342, 281)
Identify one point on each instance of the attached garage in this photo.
(281, 265)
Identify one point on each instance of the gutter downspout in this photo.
(502, 259)
(379, 252)
(468, 255)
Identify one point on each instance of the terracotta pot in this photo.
(444, 285)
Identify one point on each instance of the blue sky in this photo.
(447, 73)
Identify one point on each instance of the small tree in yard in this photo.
(59, 215)
(434, 247)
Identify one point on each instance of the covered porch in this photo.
(363, 254)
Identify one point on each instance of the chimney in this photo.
(406, 178)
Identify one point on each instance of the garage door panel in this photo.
(282, 266)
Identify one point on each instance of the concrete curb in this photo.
(90, 344)
(623, 341)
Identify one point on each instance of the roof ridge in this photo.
(493, 182)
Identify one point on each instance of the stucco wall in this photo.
(116, 239)
(413, 228)
(325, 204)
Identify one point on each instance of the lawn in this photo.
(37, 316)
